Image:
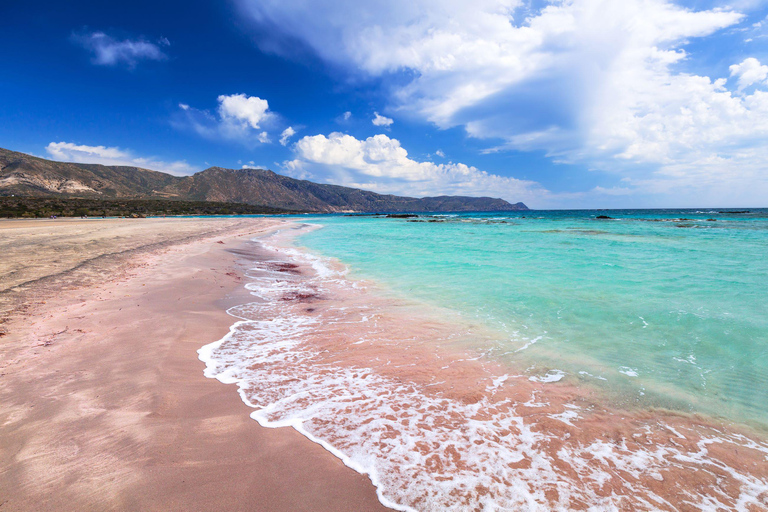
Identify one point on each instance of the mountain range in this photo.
(30, 176)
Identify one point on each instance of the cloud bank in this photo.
(79, 153)
(381, 164)
(595, 82)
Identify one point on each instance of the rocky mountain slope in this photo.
(26, 175)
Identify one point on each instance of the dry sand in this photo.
(103, 403)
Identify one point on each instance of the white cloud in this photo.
(440, 153)
(298, 169)
(242, 110)
(107, 51)
(287, 134)
(381, 164)
(749, 72)
(344, 118)
(597, 82)
(238, 117)
(379, 120)
(78, 153)
(65, 151)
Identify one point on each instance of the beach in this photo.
(338, 363)
(103, 401)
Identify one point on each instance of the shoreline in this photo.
(100, 418)
(106, 408)
(305, 355)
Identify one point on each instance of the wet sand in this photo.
(103, 402)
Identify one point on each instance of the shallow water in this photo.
(662, 308)
(439, 404)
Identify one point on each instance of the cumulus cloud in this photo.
(440, 153)
(379, 120)
(80, 153)
(286, 135)
(597, 82)
(380, 163)
(238, 117)
(107, 51)
(749, 72)
(242, 110)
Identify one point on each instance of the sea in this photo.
(527, 360)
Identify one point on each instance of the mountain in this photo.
(26, 175)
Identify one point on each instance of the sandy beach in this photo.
(117, 336)
(103, 402)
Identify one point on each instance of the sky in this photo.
(559, 104)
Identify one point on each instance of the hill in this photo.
(29, 176)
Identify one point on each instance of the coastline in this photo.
(367, 373)
(117, 413)
(104, 405)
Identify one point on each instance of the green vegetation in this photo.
(41, 207)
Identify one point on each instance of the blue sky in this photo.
(576, 104)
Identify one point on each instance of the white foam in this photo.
(593, 376)
(678, 434)
(363, 407)
(567, 415)
(497, 383)
(629, 372)
(533, 403)
(550, 376)
(528, 344)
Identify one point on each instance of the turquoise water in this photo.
(652, 309)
